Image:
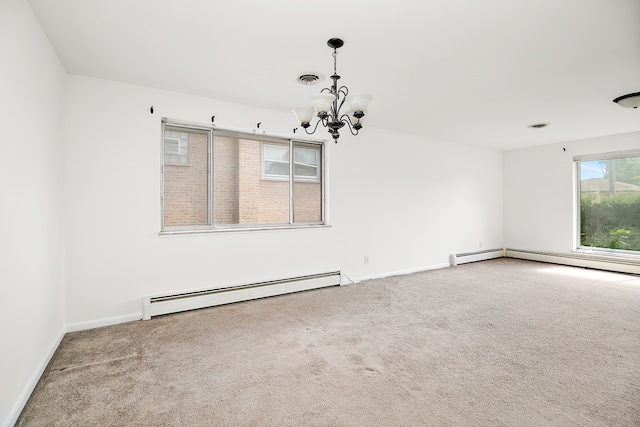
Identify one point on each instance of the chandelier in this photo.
(329, 102)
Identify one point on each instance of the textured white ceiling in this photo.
(470, 71)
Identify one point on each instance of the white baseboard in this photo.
(599, 261)
(17, 408)
(98, 323)
(396, 273)
(618, 264)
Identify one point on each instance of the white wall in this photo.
(539, 191)
(406, 202)
(80, 210)
(32, 108)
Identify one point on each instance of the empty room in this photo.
(346, 213)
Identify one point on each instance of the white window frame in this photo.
(265, 175)
(315, 178)
(577, 160)
(264, 138)
(317, 166)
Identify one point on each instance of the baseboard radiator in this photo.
(619, 264)
(457, 259)
(166, 304)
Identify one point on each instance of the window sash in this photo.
(603, 242)
(268, 158)
(297, 165)
(212, 196)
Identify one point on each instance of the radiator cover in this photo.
(175, 303)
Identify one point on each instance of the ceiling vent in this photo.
(310, 78)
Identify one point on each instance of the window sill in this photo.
(177, 232)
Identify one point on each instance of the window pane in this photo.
(306, 162)
(225, 180)
(305, 171)
(302, 155)
(610, 203)
(276, 160)
(272, 168)
(185, 177)
(307, 195)
(240, 195)
(276, 152)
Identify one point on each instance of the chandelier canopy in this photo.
(329, 102)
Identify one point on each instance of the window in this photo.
(609, 201)
(276, 162)
(306, 163)
(176, 147)
(222, 180)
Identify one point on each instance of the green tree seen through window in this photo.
(623, 170)
(610, 204)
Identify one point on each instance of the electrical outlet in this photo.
(366, 259)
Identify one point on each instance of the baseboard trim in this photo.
(397, 273)
(17, 408)
(597, 261)
(99, 323)
(579, 259)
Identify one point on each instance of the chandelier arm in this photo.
(344, 91)
(345, 118)
(340, 108)
(314, 129)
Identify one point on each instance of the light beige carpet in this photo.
(496, 343)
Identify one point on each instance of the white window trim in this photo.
(297, 178)
(315, 178)
(578, 248)
(265, 138)
(276, 177)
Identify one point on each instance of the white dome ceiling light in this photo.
(631, 100)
